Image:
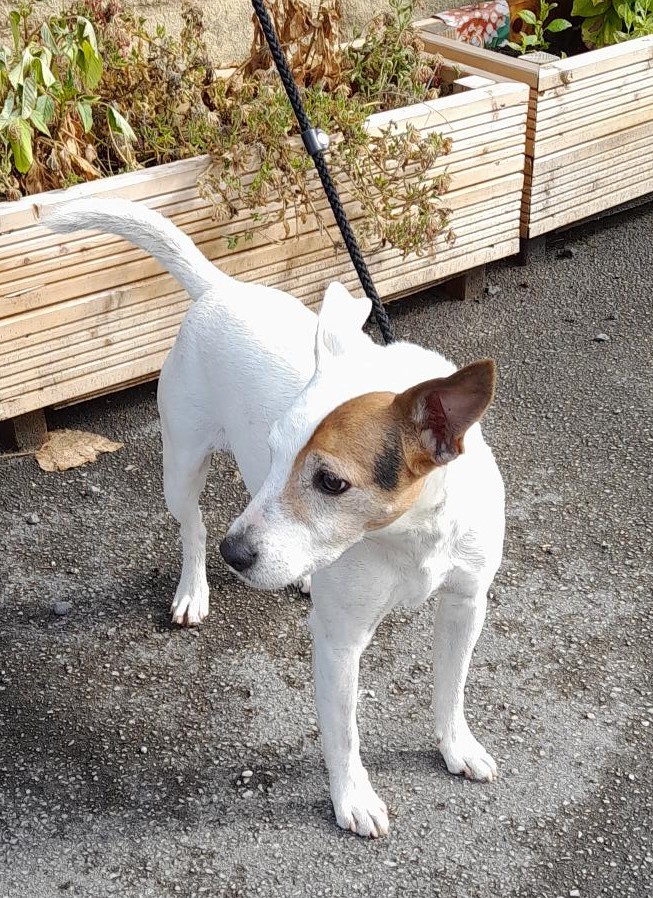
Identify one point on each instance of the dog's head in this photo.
(340, 469)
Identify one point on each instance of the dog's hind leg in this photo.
(184, 477)
(459, 617)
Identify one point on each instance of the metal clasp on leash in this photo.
(316, 141)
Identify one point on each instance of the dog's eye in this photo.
(328, 483)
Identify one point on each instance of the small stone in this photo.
(601, 338)
(129, 468)
(247, 774)
(61, 609)
(248, 793)
(32, 518)
(143, 749)
(574, 893)
(493, 290)
(94, 489)
(590, 716)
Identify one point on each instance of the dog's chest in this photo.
(421, 572)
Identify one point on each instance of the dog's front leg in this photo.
(459, 617)
(342, 626)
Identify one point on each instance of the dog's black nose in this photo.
(238, 553)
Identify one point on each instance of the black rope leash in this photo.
(316, 141)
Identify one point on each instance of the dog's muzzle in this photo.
(238, 552)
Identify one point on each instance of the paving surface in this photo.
(123, 739)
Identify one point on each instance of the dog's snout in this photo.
(238, 552)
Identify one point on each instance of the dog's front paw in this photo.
(359, 809)
(189, 608)
(463, 754)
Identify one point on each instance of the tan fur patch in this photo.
(364, 441)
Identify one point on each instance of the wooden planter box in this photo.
(590, 127)
(82, 314)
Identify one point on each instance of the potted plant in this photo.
(590, 117)
(433, 185)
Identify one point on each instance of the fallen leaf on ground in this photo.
(66, 449)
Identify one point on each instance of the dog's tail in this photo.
(147, 229)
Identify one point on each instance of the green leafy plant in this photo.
(541, 25)
(612, 21)
(48, 80)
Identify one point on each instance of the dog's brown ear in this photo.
(437, 414)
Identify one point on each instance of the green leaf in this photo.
(20, 141)
(85, 32)
(14, 23)
(526, 15)
(7, 110)
(29, 98)
(119, 123)
(41, 67)
(558, 25)
(587, 8)
(45, 108)
(16, 75)
(590, 30)
(92, 69)
(39, 122)
(85, 114)
(48, 39)
(612, 24)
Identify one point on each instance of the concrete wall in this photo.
(228, 22)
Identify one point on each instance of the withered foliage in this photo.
(311, 42)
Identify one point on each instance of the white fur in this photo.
(253, 370)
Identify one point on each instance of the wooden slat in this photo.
(622, 193)
(36, 324)
(609, 112)
(633, 155)
(77, 342)
(96, 353)
(591, 90)
(560, 140)
(544, 205)
(27, 364)
(598, 62)
(483, 60)
(583, 156)
(83, 384)
(141, 184)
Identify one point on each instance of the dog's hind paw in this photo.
(359, 809)
(465, 755)
(190, 608)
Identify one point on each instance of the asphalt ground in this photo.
(123, 739)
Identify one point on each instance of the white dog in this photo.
(353, 454)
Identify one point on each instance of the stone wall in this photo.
(228, 22)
